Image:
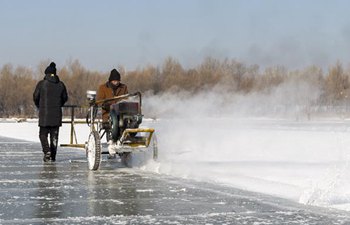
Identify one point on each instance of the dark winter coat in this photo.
(49, 96)
(105, 91)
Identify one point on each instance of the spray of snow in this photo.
(272, 143)
(291, 99)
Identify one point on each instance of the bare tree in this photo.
(336, 83)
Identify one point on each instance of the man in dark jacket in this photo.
(49, 96)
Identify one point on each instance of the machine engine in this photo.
(124, 114)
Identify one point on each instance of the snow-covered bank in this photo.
(28, 130)
(307, 162)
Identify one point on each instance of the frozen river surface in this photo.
(65, 192)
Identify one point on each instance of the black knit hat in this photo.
(51, 69)
(115, 75)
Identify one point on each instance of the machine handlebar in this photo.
(98, 102)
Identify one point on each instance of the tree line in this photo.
(17, 83)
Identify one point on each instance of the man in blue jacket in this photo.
(49, 96)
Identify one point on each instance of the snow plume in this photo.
(291, 98)
(261, 142)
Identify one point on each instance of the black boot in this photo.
(47, 156)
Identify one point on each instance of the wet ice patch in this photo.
(178, 190)
(144, 190)
(219, 203)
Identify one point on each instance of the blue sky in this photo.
(133, 33)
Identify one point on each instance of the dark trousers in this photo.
(43, 135)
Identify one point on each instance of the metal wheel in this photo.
(93, 151)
